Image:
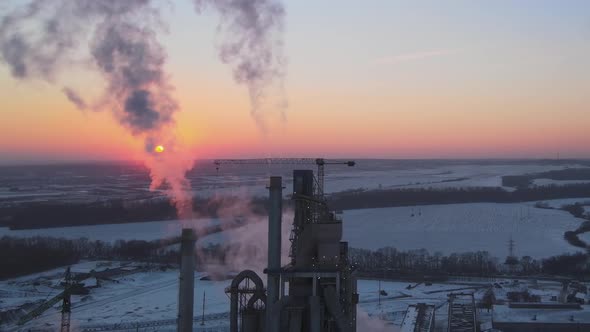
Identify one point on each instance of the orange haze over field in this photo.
(404, 126)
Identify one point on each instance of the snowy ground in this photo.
(462, 227)
(584, 201)
(419, 175)
(549, 182)
(438, 177)
(445, 228)
(138, 297)
(559, 203)
(152, 296)
(98, 183)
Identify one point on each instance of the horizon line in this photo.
(129, 161)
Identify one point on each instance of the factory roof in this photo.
(539, 313)
(417, 318)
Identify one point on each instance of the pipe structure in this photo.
(234, 290)
(275, 217)
(187, 281)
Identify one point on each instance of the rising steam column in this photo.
(187, 281)
(274, 251)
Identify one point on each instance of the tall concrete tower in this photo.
(187, 281)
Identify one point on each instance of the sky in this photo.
(365, 79)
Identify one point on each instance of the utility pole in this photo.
(203, 315)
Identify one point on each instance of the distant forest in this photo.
(526, 180)
(45, 215)
(52, 214)
(419, 263)
(426, 196)
(22, 256)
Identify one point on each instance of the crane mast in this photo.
(64, 296)
(67, 305)
(311, 205)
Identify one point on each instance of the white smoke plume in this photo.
(40, 39)
(364, 322)
(246, 246)
(251, 44)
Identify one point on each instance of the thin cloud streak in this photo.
(395, 59)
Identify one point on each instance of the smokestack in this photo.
(275, 215)
(187, 281)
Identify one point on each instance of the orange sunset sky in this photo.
(378, 79)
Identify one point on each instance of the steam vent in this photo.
(316, 290)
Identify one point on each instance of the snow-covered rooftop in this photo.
(541, 314)
(417, 318)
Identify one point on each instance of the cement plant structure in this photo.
(316, 291)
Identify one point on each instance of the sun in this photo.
(159, 149)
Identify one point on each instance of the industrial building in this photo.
(316, 290)
(462, 313)
(419, 318)
(541, 317)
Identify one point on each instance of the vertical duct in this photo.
(187, 281)
(275, 215)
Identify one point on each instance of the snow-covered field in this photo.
(445, 228)
(549, 182)
(559, 203)
(419, 175)
(152, 296)
(141, 296)
(435, 177)
(462, 227)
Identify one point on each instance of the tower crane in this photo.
(67, 304)
(64, 296)
(320, 162)
(314, 205)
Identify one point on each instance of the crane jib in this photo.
(320, 162)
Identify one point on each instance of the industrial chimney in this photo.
(275, 215)
(187, 281)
